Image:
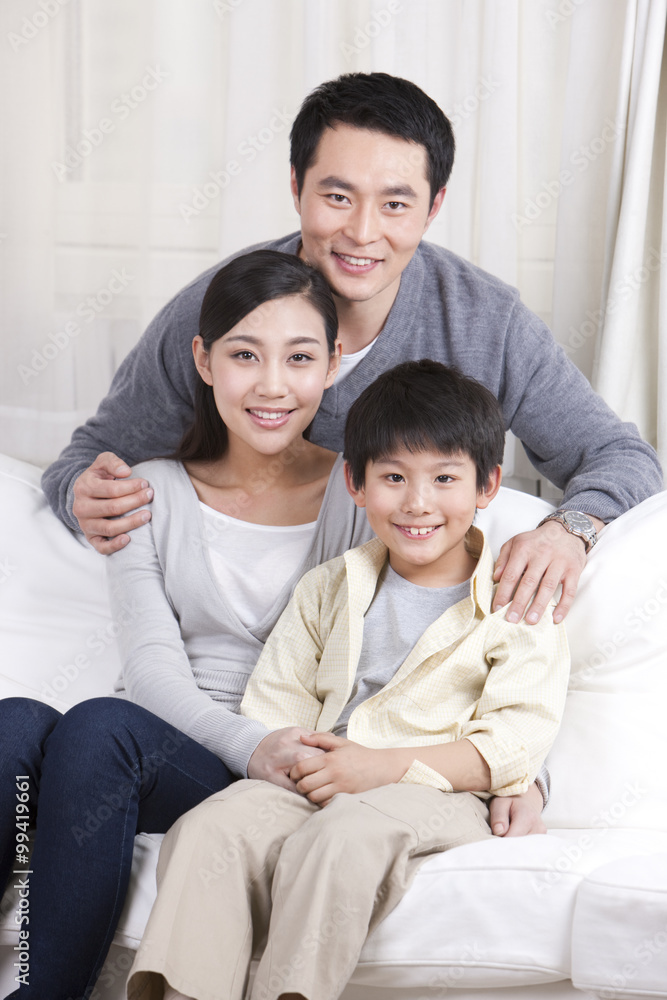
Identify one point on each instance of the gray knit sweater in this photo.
(446, 309)
(173, 645)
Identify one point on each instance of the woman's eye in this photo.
(244, 355)
(301, 357)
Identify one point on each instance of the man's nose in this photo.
(363, 225)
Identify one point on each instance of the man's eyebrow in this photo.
(395, 191)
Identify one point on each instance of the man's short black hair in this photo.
(423, 406)
(380, 103)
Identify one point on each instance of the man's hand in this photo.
(277, 753)
(535, 563)
(103, 496)
(345, 767)
(517, 815)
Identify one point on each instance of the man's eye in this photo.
(395, 204)
(338, 198)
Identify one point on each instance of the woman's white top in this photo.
(253, 562)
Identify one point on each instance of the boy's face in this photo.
(364, 207)
(421, 505)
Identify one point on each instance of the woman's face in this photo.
(268, 373)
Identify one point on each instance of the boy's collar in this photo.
(373, 555)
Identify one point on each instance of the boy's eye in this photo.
(444, 479)
(395, 477)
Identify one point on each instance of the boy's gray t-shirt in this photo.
(397, 617)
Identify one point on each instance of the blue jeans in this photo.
(98, 775)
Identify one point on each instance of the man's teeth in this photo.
(268, 414)
(421, 531)
(357, 261)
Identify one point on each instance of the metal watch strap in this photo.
(588, 537)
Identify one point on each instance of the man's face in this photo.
(364, 207)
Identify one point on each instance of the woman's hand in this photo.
(278, 753)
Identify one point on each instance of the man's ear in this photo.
(488, 492)
(358, 495)
(435, 207)
(202, 360)
(294, 187)
(334, 364)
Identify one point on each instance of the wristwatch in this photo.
(576, 523)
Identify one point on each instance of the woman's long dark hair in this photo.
(236, 289)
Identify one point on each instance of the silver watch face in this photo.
(579, 521)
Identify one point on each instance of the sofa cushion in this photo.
(620, 929)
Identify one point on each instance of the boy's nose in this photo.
(416, 502)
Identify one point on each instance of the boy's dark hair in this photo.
(380, 103)
(423, 405)
(235, 291)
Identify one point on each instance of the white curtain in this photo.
(144, 141)
(609, 284)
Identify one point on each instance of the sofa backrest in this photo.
(57, 643)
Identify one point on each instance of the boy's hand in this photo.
(277, 753)
(345, 767)
(517, 815)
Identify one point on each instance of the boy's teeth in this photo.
(421, 531)
(359, 261)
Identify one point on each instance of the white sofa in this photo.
(583, 908)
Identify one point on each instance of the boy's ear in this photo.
(358, 495)
(486, 495)
(202, 360)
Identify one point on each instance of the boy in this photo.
(424, 700)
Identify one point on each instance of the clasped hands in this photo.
(318, 765)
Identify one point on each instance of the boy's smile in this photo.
(421, 504)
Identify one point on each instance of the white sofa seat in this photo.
(537, 918)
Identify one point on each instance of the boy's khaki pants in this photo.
(257, 866)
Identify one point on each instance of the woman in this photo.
(245, 507)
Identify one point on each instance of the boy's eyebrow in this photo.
(445, 460)
(247, 338)
(395, 191)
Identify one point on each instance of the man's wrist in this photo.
(576, 523)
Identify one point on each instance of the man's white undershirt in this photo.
(349, 362)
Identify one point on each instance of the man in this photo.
(371, 155)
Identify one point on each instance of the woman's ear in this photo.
(334, 364)
(202, 360)
(358, 495)
(488, 492)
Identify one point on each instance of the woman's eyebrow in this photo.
(247, 338)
